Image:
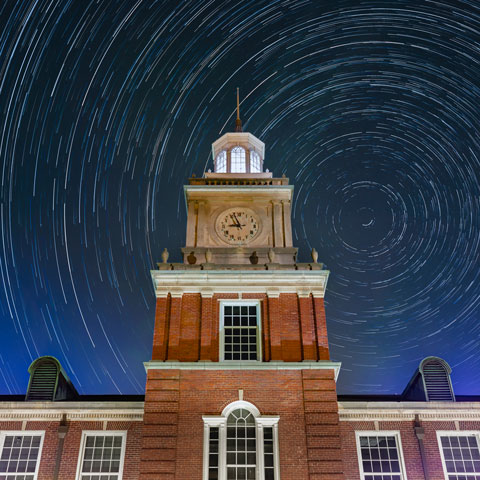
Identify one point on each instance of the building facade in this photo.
(240, 385)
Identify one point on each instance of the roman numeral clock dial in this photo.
(237, 226)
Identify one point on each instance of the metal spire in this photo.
(238, 122)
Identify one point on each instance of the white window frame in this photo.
(24, 433)
(240, 303)
(101, 433)
(259, 166)
(455, 433)
(243, 158)
(223, 155)
(380, 433)
(261, 421)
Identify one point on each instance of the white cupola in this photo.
(238, 152)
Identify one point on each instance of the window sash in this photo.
(386, 458)
(452, 467)
(238, 160)
(221, 162)
(227, 331)
(220, 422)
(22, 450)
(105, 453)
(255, 163)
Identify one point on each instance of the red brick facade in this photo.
(176, 400)
(309, 442)
(187, 327)
(410, 445)
(71, 447)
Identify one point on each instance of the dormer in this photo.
(430, 382)
(49, 381)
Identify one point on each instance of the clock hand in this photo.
(236, 222)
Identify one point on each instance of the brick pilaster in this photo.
(160, 331)
(190, 327)
(174, 330)
(321, 327)
(206, 329)
(309, 336)
(160, 425)
(290, 328)
(275, 325)
(324, 454)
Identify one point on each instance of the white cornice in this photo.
(406, 411)
(305, 365)
(245, 139)
(270, 282)
(80, 411)
(133, 411)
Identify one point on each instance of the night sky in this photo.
(370, 108)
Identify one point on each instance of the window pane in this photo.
(213, 456)
(240, 463)
(102, 455)
(237, 158)
(221, 162)
(240, 332)
(458, 452)
(23, 457)
(379, 455)
(255, 162)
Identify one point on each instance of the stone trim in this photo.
(133, 411)
(406, 411)
(270, 282)
(74, 411)
(246, 365)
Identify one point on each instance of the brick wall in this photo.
(71, 448)
(177, 399)
(322, 425)
(410, 446)
(187, 328)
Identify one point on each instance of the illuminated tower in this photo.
(240, 385)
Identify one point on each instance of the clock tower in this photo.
(240, 384)
(239, 213)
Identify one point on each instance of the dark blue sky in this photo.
(371, 108)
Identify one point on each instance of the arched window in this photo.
(241, 444)
(255, 165)
(221, 162)
(237, 160)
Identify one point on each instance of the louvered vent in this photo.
(437, 381)
(43, 381)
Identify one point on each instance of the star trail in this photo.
(369, 107)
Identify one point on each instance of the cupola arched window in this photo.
(255, 164)
(221, 162)
(436, 379)
(237, 160)
(241, 444)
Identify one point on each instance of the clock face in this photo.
(237, 226)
